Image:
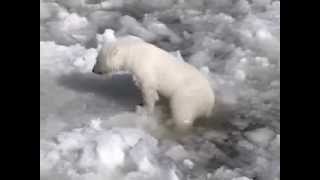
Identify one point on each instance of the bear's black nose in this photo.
(94, 70)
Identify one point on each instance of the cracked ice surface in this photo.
(91, 128)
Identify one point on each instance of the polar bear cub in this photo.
(155, 72)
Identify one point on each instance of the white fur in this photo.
(156, 71)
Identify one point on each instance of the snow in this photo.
(177, 153)
(93, 147)
(71, 29)
(104, 19)
(58, 59)
(226, 174)
(131, 26)
(188, 163)
(260, 136)
(160, 29)
(93, 128)
(261, 2)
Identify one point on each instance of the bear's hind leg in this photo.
(182, 114)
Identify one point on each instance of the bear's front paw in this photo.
(144, 110)
(149, 110)
(140, 110)
(183, 127)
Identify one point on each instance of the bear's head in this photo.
(108, 61)
(113, 53)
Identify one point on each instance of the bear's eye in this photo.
(114, 51)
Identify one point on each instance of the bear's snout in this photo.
(94, 70)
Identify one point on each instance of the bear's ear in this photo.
(108, 36)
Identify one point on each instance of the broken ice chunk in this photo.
(261, 136)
